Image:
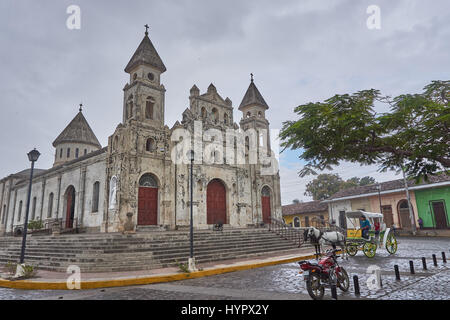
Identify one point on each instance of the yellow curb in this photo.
(96, 284)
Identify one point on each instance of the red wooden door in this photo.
(216, 204)
(265, 200)
(148, 206)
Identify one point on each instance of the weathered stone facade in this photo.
(138, 174)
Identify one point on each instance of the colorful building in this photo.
(429, 200)
(302, 214)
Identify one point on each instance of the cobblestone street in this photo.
(283, 282)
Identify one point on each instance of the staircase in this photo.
(142, 251)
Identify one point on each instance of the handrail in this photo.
(324, 226)
(287, 232)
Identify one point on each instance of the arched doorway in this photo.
(70, 206)
(148, 201)
(403, 213)
(265, 203)
(216, 202)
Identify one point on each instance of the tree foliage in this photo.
(414, 134)
(325, 185)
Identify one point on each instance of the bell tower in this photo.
(144, 94)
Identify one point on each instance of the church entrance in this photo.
(148, 201)
(216, 202)
(265, 202)
(70, 207)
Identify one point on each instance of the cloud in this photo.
(299, 51)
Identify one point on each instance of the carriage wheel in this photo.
(391, 244)
(352, 249)
(369, 249)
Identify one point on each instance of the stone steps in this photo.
(141, 251)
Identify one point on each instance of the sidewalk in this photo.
(48, 280)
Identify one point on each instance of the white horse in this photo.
(319, 238)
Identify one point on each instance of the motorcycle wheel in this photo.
(315, 289)
(343, 280)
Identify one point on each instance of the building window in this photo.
(296, 222)
(150, 102)
(50, 205)
(307, 221)
(149, 145)
(85, 151)
(60, 153)
(225, 118)
(148, 180)
(68, 152)
(20, 212)
(129, 108)
(77, 152)
(215, 115)
(33, 210)
(203, 113)
(248, 114)
(95, 196)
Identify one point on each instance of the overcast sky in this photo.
(299, 51)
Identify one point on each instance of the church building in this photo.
(143, 176)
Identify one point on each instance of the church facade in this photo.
(143, 177)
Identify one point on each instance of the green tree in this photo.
(414, 134)
(325, 185)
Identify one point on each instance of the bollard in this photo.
(411, 267)
(397, 273)
(434, 260)
(356, 285)
(333, 291)
(443, 257)
(424, 263)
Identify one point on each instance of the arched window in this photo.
(60, 153)
(203, 113)
(148, 180)
(77, 153)
(130, 107)
(4, 213)
(33, 210)
(149, 103)
(68, 152)
(85, 151)
(306, 221)
(20, 211)
(95, 196)
(265, 192)
(248, 114)
(296, 222)
(50, 205)
(150, 145)
(225, 118)
(215, 115)
(260, 114)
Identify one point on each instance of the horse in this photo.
(319, 238)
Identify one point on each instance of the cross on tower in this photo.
(251, 74)
(146, 29)
(81, 107)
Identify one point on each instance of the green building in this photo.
(433, 205)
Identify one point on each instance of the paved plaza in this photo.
(283, 282)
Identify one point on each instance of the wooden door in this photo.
(387, 216)
(216, 205)
(265, 200)
(148, 206)
(405, 219)
(70, 207)
(439, 215)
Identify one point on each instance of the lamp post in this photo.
(379, 197)
(33, 156)
(191, 262)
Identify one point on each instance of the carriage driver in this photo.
(365, 226)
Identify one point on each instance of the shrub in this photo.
(35, 225)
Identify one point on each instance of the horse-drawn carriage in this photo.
(368, 243)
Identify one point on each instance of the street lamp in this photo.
(33, 156)
(379, 197)
(192, 196)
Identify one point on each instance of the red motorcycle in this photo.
(319, 276)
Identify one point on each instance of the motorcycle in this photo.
(324, 274)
